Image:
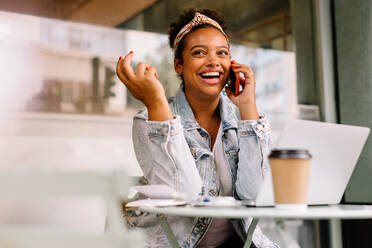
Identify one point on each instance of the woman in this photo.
(199, 142)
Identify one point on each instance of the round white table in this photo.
(331, 212)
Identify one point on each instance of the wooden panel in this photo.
(109, 12)
(43, 8)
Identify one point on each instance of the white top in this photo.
(220, 229)
(223, 167)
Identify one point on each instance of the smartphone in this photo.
(234, 82)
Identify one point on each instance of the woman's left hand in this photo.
(246, 100)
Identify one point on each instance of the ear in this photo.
(178, 67)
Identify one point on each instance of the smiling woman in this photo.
(200, 142)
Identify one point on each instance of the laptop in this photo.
(335, 150)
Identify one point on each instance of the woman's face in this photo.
(206, 62)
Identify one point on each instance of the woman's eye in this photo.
(224, 53)
(198, 52)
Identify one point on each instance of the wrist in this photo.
(159, 110)
(156, 102)
(249, 112)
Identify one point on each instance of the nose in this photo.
(213, 60)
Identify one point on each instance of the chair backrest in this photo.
(69, 152)
(112, 187)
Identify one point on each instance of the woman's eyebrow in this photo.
(202, 46)
(223, 47)
(196, 46)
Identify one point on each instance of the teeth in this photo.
(211, 74)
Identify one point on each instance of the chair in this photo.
(112, 187)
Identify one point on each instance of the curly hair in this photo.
(185, 18)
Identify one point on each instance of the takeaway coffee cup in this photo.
(290, 174)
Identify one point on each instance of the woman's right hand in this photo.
(145, 86)
(142, 84)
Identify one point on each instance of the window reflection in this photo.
(70, 68)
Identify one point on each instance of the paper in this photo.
(154, 203)
(158, 191)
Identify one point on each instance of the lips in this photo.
(211, 77)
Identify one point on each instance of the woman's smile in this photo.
(211, 77)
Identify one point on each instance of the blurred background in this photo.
(63, 108)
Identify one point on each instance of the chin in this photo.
(212, 91)
(203, 90)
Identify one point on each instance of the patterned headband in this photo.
(199, 19)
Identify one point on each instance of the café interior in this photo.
(66, 116)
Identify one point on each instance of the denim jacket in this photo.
(177, 153)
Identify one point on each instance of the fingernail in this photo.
(120, 58)
(130, 52)
(156, 75)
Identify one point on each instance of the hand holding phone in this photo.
(234, 82)
(245, 99)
